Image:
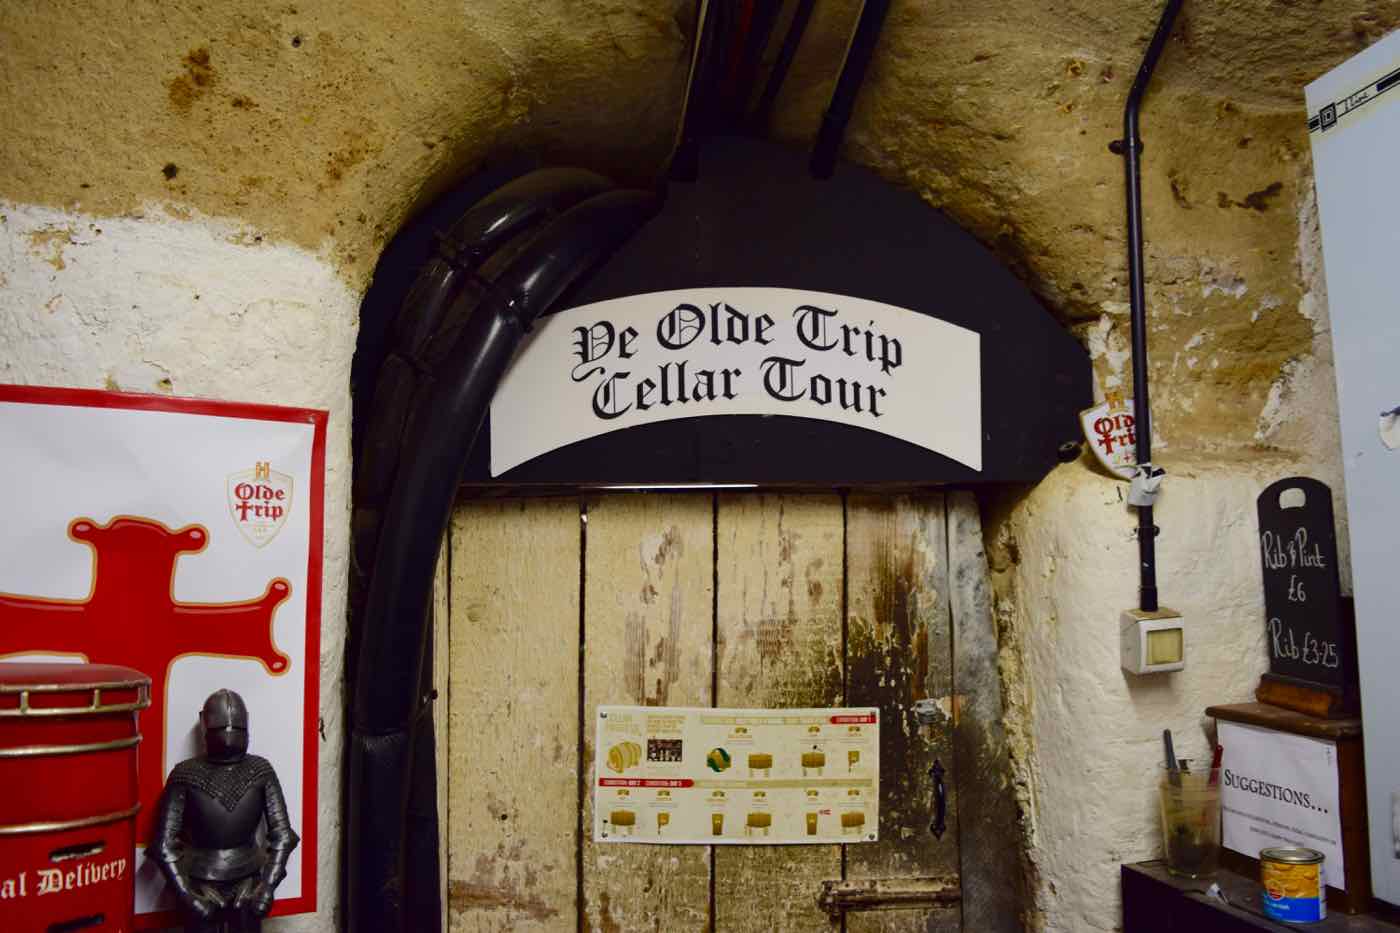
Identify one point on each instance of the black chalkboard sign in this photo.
(1308, 640)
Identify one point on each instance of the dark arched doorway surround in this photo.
(753, 219)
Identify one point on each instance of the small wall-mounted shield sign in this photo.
(259, 500)
(1109, 428)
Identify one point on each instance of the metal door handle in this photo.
(940, 801)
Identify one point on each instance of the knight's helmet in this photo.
(225, 722)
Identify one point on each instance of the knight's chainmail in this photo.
(226, 783)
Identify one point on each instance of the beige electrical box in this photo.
(1152, 642)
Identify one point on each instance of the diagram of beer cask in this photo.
(623, 821)
(718, 760)
(852, 822)
(813, 762)
(759, 822)
(760, 762)
(624, 755)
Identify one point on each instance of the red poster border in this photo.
(317, 418)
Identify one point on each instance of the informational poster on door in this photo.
(1278, 789)
(181, 538)
(681, 775)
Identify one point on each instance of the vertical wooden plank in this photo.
(778, 645)
(442, 683)
(992, 875)
(898, 650)
(513, 718)
(648, 628)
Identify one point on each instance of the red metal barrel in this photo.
(68, 795)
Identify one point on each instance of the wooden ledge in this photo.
(1286, 720)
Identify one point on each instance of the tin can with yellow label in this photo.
(1295, 884)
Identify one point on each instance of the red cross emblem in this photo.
(131, 617)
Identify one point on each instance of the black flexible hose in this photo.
(422, 891)
(1131, 148)
(440, 434)
(514, 206)
(843, 98)
(481, 231)
(477, 234)
(395, 273)
(516, 199)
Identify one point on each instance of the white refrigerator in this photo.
(1354, 125)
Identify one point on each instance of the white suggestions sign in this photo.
(682, 775)
(740, 351)
(1278, 789)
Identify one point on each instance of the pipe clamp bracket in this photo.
(1145, 484)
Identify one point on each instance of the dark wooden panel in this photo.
(898, 651)
(993, 882)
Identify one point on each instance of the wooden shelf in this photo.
(1155, 901)
(1286, 720)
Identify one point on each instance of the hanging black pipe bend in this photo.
(475, 236)
(399, 267)
(440, 435)
(480, 232)
(1131, 148)
(442, 428)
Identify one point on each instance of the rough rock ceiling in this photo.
(324, 123)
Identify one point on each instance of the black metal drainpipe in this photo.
(1130, 146)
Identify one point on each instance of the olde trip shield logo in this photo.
(259, 500)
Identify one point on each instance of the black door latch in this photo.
(940, 801)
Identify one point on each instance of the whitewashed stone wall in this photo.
(1087, 734)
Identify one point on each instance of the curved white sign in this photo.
(740, 351)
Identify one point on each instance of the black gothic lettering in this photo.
(679, 328)
(606, 397)
(591, 344)
(811, 327)
(779, 378)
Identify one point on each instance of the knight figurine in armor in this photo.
(206, 839)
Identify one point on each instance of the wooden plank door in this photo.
(745, 600)
(647, 640)
(898, 651)
(778, 643)
(512, 749)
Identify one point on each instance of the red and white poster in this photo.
(182, 538)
